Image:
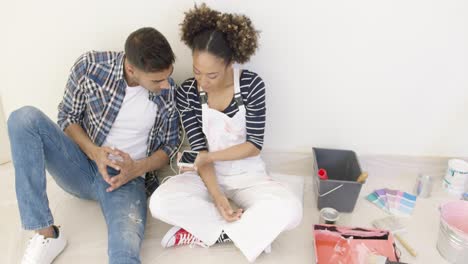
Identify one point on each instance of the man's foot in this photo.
(177, 236)
(43, 250)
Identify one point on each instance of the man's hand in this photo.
(101, 156)
(129, 170)
(225, 209)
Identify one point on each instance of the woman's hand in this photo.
(226, 210)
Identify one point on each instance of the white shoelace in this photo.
(34, 244)
(191, 240)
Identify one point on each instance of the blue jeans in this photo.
(38, 144)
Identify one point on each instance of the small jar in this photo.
(423, 186)
(329, 216)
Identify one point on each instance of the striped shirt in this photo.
(253, 95)
(94, 94)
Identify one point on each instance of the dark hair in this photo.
(214, 42)
(148, 50)
(231, 37)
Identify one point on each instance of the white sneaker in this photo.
(42, 250)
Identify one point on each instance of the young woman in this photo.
(223, 113)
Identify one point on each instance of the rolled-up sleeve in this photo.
(192, 126)
(256, 112)
(71, 108)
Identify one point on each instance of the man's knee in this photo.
(22, 118)
(128, 224)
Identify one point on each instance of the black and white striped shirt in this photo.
(253, 94)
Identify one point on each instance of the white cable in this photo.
(183, 137)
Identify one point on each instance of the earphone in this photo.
(186, 109)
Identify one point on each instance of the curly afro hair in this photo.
(229, 36)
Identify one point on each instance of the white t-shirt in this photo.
(133, 123)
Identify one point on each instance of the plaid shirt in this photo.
(94, 94)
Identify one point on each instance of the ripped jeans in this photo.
(38, 144)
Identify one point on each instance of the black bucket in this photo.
(341, 190)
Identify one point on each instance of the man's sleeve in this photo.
(172, 133)
(73, 105)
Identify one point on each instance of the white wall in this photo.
(5, 154)
(370, 75)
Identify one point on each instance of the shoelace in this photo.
(191, 240)
(33, 244)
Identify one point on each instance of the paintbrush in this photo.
(362, 178)
(394, 226)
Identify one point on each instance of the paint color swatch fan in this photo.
(393, 202)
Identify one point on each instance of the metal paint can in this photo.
(328, 216)
(452, 241)
(423, 186)
(456, 177)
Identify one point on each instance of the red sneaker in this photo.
(177, 236)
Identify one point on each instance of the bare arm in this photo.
(156, 161)
(98, 154)
(237, 152)
(208, 175)
(79, 136)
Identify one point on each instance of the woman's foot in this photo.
(177, 236)
(223, 238)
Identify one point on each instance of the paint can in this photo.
(456, 178)
(328, 216)
(452, 242)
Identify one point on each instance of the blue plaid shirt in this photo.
(94, 94)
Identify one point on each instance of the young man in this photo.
(117, 123)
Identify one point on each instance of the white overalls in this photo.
(269, 208)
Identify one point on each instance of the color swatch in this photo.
(393, 202)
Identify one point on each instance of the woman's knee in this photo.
(175, 191)
(289, 206)
(156, 202)
(292, 207)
